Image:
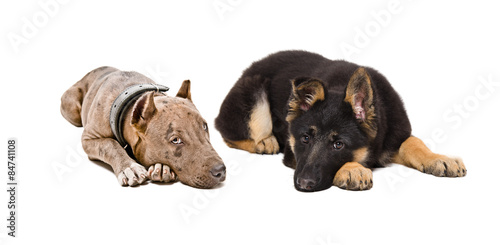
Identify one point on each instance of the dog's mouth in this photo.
(306, 184)
(312, 184)
(304, 187)
(213, 178)
(205, 183)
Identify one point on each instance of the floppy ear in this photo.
(305, 93)
(144, 109)
(359, 94)
(185, 90)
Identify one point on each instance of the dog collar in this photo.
(123, 102)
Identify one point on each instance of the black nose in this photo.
(306, 184)
(219, 172)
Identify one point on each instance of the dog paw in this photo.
(133, 175)
(268, 145)
(353, 176)
(443, 166)
(161, 173)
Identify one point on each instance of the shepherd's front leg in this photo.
(414, 154)
(353, 176)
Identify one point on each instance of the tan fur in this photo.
(260, 124)
(359, 77)
(317, 93)
(360, 155)
(72, 99)
(333, 135)
(414, 154)
(353, 176)
(291, 140)
(246, 145)
(268, 145)
(359, 74)
(260, 128)
(185, 90)
(148, 129)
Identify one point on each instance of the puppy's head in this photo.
(171, 131)
(329, 128)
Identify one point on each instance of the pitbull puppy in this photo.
(167, 135)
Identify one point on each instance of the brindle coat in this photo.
(167, 134)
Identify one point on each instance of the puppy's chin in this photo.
(201, 182)
(314, 189)
(305, 186)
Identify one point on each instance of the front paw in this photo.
(133, 175)
(161, 173)
(443, 166)
(353, 176)
(268, 145)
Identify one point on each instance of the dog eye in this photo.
(338, 145)
(176, 141)
(205, 127)
(305, 139)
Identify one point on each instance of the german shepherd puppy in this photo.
(333, 120)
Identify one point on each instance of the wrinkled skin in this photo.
(184, 135)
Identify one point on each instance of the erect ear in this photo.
(144, 109)
(359, 94)
(185, 90)
(305, 93)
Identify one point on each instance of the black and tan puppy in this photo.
(333, 120)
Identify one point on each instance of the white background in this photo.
(434, 54)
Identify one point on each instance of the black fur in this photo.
(274, 74)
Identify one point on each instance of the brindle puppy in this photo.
(166, 134)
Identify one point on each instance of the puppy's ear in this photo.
(144, 109)
(185, 90)
(305, 93)
(359, 94)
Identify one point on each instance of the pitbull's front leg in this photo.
(161, 173)
(108, 150)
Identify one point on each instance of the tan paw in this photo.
(133, 175)
(161, 173)
(268, 145)
(443, 166)
(353, 176)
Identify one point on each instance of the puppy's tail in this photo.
(72, 99)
